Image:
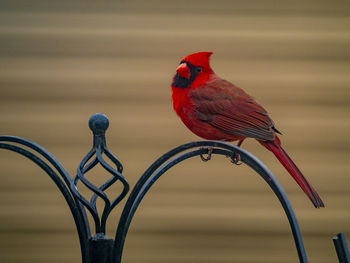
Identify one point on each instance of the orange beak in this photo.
(183, 70)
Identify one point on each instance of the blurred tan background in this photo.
(60, 62)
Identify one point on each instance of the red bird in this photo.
(215, 109)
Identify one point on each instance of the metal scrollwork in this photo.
(98, 248)
(98, 124)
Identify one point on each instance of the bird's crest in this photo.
(199, 59)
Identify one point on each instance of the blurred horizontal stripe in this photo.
(61, 62)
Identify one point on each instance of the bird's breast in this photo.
(199, 125)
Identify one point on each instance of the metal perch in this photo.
(97, 247)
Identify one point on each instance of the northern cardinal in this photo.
(215, 109)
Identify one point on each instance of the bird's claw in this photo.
(208, 157)
(236, 159)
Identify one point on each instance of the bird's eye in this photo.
(198, 69)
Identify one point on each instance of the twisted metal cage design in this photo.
(101, 249)
(99, 124)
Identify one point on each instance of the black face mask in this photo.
(181, 82)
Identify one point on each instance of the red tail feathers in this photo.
(275, 147)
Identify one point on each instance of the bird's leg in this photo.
(236, 159)
(210, 151)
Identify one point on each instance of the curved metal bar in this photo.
(87, 183)
(75, 209)
(165, 162)
(55, 163)
(114, 159)
(90, 165)
(86, 203)
(48, 156)
(116, 176)
(80, 171)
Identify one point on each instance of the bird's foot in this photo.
(208, 157)
(236, 159)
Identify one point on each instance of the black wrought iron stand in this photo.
(98, 248)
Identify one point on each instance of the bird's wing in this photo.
(231, 110)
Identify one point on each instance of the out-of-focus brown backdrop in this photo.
(62, 61)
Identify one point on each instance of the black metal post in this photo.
(98, 248)
(341, 248)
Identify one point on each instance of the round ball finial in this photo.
(98, 123)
